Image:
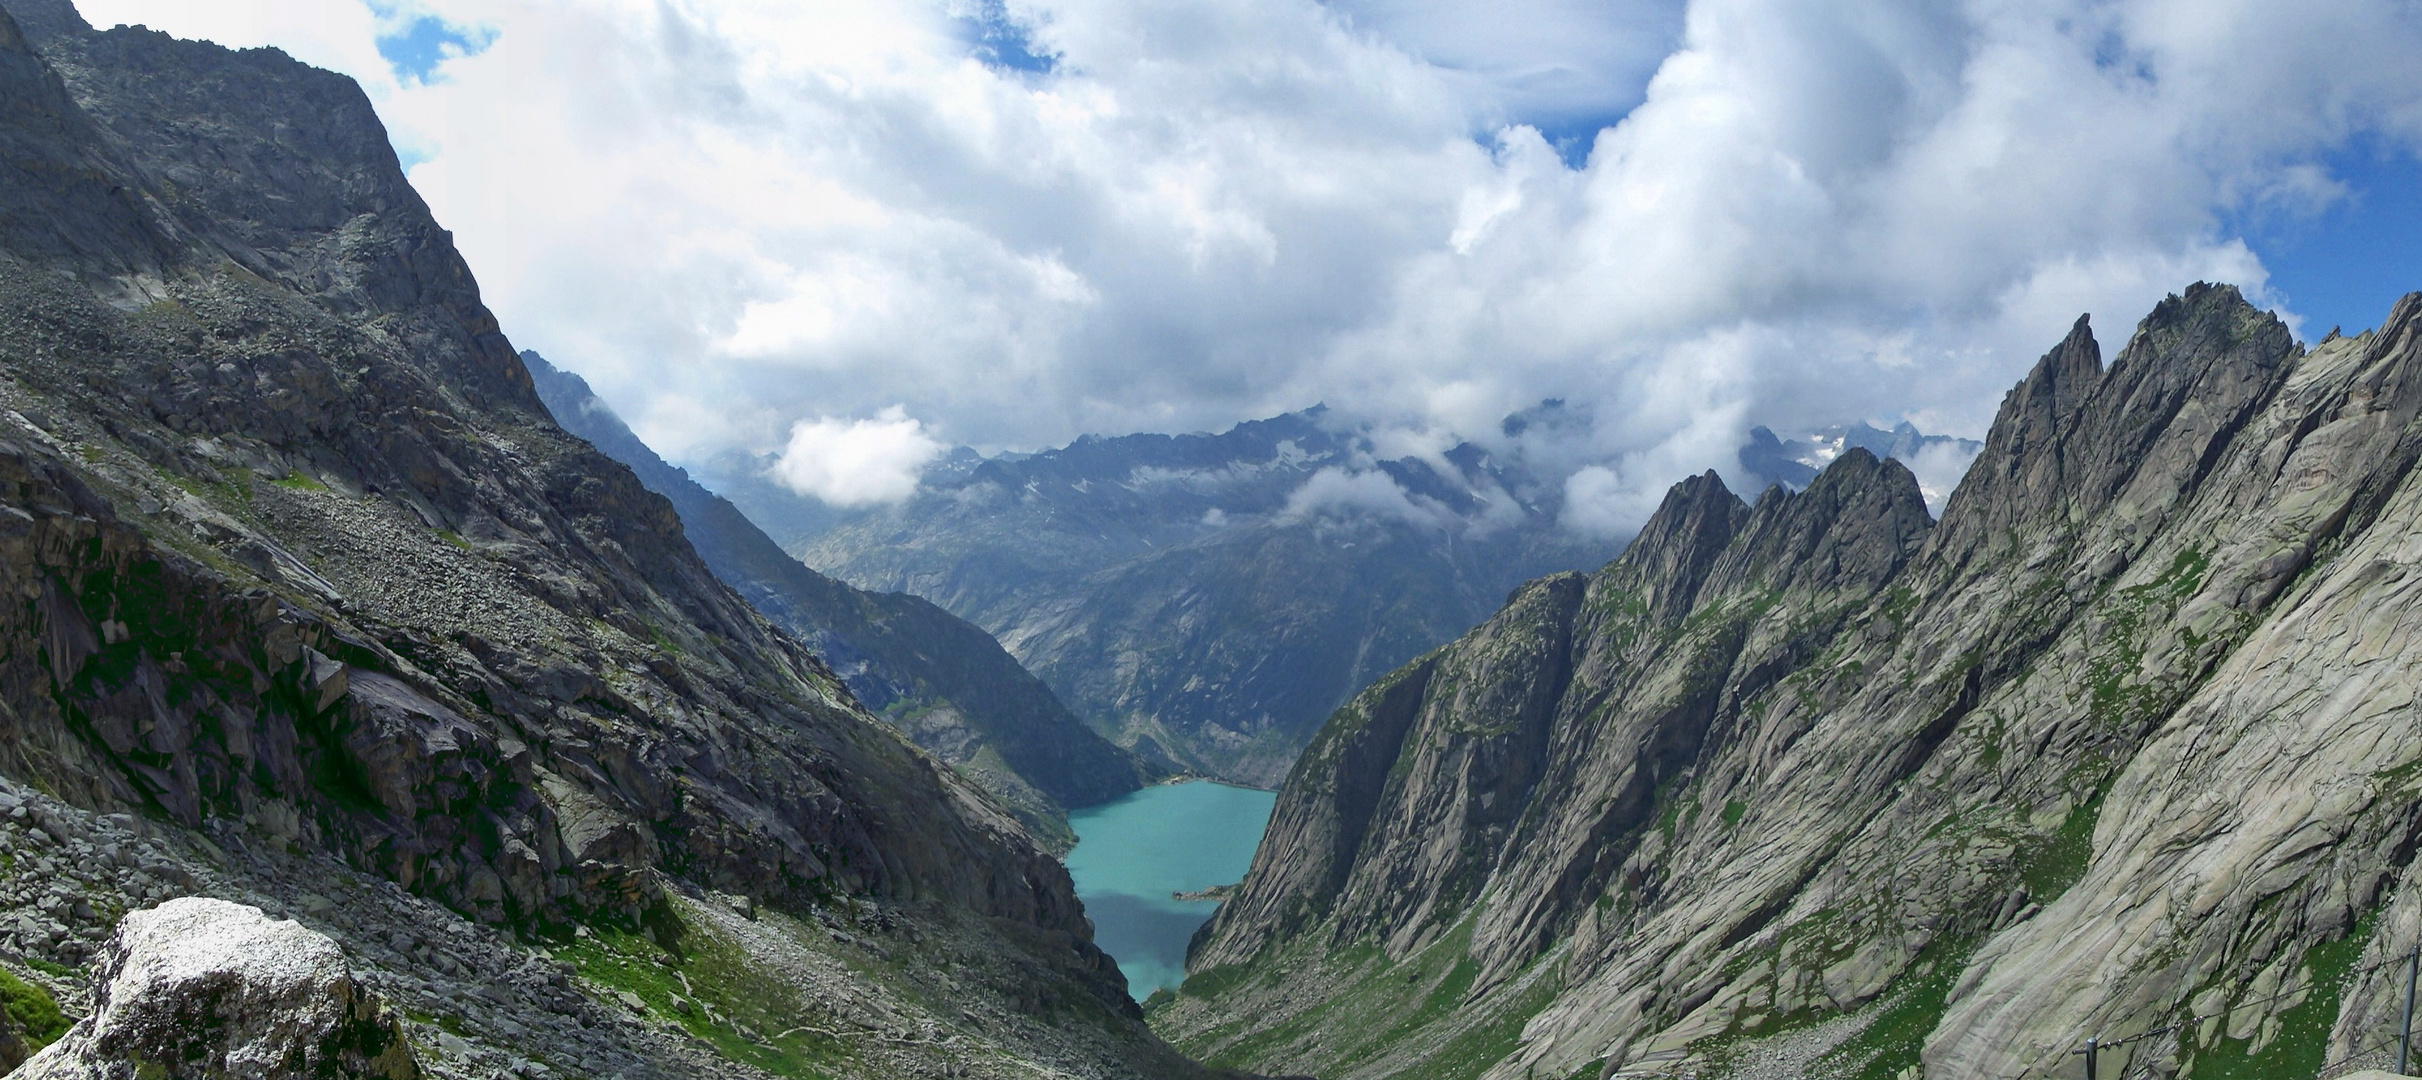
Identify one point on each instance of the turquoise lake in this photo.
(1133, 852)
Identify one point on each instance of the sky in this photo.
(847, 234)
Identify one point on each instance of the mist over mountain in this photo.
(1203, 599)
(375, 704)
(1207, 599)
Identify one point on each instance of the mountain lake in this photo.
(1132, 853)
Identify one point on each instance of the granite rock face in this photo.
(200, 988)
(2125, 744)
(298, 561)
(938, 678)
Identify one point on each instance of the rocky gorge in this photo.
(2122, 748)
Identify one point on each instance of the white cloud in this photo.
(856, 462)
(1938, 469)
(731, 216)
(1338, 493)
(1597, 502)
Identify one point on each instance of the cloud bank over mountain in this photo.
(1018, 222)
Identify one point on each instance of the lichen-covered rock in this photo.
(204, 988)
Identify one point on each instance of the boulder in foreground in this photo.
(206, 988)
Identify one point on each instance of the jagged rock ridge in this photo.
(2124, 742)
(299, 562)
(941, 680)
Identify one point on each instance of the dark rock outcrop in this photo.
(2123, 744)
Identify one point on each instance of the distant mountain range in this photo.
(1795, 463)
(1207, 600)
(944, 682)
(1204, 599)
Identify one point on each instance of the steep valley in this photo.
(1194, 596)
(945, 683)
(529, 756)
(2124, 747)
(314, 606)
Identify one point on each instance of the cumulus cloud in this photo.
(1171, 215)
(856, 462)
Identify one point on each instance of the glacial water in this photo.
(1132, 853)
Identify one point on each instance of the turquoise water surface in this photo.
(1133, 852)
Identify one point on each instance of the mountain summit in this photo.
(2122, 748)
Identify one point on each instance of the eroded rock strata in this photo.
(307, 593)
(2126, 741)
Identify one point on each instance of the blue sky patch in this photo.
(2347, 264)
(416, 44)
(1000, 42)
(1574, 136)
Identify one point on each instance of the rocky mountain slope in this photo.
(313, 604)
(2123, 747)
(1205, 599)
(945, 683)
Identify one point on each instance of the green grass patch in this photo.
(1733, 811)
(2301, 1047)
(1382, 1010)
(454, 538)
(2048, 868)
(296, 481)
(1472, 1052)
(56, 971)
(33, 1010)
(708, 987)
(1910, 1010)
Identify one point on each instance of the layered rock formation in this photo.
(2124, 747)
(301, 568)
(945, 683)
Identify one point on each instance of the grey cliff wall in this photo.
(2126, 740)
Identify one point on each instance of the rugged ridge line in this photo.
(2123, 740)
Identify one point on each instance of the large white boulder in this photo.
(205, 988)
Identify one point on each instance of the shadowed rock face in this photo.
(944, 682)
(2125, 739)
(200, 988)
(292, 543)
